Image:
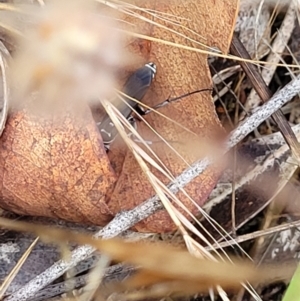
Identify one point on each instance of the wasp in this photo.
(135, 88)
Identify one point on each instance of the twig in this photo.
(237, 48)
(125, 220)
(277, 48)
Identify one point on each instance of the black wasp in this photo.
(135, 87)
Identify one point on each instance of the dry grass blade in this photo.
(94, 279)
(134, 132)
(9, 7)
(159, 262)
(268, 231)
(162, 191)
(130, 9)
(142, 158)
(120, 123)
(11, 30)
(16, 269)
(193, 49)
